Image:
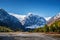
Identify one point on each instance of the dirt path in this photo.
(21, 36)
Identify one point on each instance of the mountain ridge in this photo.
(31, 19)
(12, 21)
(53, 19)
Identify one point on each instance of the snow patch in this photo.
(47, 18)
(20, 17)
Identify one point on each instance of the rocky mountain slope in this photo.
(28, 21)
(9, 20)
(53, 19)
(31, 20)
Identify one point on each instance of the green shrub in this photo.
(5, 29)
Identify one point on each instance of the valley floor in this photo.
(27, 36)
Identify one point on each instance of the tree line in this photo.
(55, 27)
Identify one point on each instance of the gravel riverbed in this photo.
(25, 36)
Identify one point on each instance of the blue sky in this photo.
(45, 8)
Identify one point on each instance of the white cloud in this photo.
(47, 18)
(20, 17)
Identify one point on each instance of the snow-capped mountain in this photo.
(9, 20)
(20, 21)
(47, 18)
(30, 20)
(57, 16)
(53, 19)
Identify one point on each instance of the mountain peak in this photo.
(57, 16)
(3, 12)
(30, 14)
(1, 9)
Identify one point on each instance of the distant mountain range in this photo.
(53, 19)
(19, 22)
(30, 20)
(15, 21)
